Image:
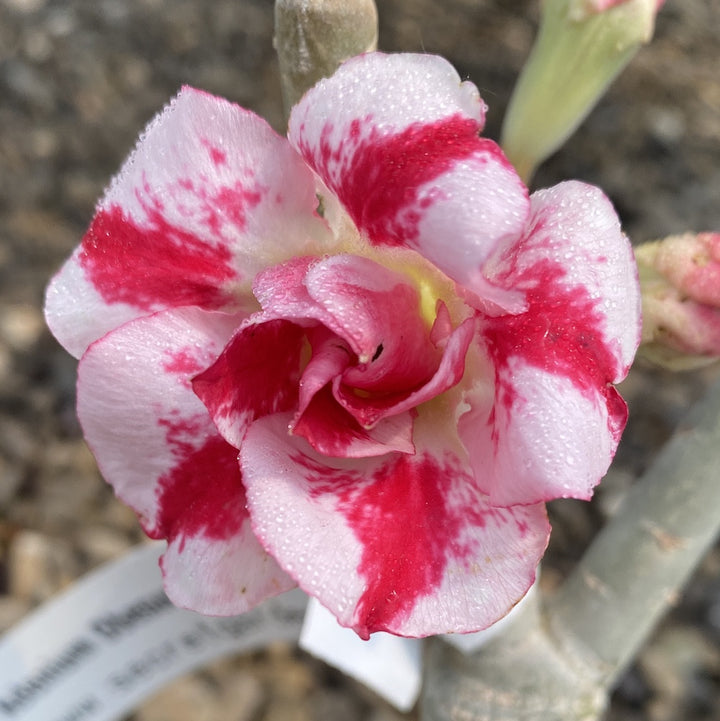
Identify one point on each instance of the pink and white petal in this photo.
(578, 272)
(376, 310)
(332, 431)
(370, 411)
(401, 543)
(134, 395)
(397, 90)
(540, 437)
(223, 576)
(258, 372)
(155, 443)
(405, 160)
(282, 293)
(210, 195)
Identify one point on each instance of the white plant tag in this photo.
(113, 638)
(390, 665)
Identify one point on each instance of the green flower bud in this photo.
(581, 46)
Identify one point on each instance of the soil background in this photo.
(79, 79)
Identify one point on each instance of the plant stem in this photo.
(312, 37)
(638, 564)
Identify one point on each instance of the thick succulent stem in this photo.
(312, 37)
(639, 563)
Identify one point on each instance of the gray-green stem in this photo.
(312, 37)
(559, 663)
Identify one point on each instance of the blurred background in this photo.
(79, 79)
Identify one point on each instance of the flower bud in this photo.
(680, 280)
(581, 46)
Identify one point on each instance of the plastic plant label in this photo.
(113, 638)
(390, 665)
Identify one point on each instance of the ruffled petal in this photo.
(372, 308)
(540, 438)
(554, 422)
(327, 426)
(155, 443)
(449, 372)
(405, 544)
(405, 160)
(210, 195)
(257, 373)
(332, 431)
(579, 275)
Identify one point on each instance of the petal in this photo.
(157, 446)
(327, 426)
(395, 137)
(257, 373)
(553, 423)
(580, 279)
(404, 544)
(449, 372)
(332, 431)
(540, 438)
(210, 195)
(330, 357)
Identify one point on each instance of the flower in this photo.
(680, 279)
(358, 360)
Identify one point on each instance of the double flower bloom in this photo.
(358, 360)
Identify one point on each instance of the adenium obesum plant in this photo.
(358, 359)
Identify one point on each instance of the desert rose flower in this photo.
(358, 360)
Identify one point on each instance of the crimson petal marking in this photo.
(257, 373)
(578, 272)
(210, 196)
(404, 544)
(156, 445)
(332, 431)
(414, 173)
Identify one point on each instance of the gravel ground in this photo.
(78, 81)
